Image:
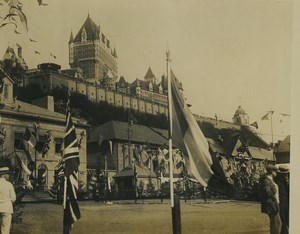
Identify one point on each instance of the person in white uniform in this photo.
(7, 198)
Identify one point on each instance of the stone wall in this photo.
(94, 92)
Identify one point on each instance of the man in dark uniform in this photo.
(270, 199)
(282, 181)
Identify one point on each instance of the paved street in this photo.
(147, 217)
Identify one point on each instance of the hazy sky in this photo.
(226, 53)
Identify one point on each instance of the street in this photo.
(147, 217)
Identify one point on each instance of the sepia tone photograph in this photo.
(148, 116)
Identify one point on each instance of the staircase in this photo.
(37, 197)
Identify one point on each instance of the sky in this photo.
(225, 52)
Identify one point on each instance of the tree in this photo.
(15, 14)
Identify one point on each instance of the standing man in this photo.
(7, 197)
(270, 198)
(282, 181)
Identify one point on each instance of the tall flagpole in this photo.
(175, 202)
(170, 128)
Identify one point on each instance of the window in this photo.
(58, 145)
(6, 91)
(18, 144)
(41, 143)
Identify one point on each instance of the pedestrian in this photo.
(270, 198)
(7, 197)
(282, 181)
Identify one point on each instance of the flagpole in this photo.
(66, 228)
(170, 128)
(272, 128)
(175, 202)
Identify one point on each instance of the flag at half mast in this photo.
(187, 135)
(71, 164)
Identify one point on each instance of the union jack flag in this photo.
(71, 159)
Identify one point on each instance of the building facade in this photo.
(16, 116)
(91, 50)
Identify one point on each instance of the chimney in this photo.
(46, 102)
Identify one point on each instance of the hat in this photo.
(283, 169)
(4, 170)
(271, 168)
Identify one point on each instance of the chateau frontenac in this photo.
(94, 72)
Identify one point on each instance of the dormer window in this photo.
(150, 87)
(160, 89)
(5, 91)
(83, 35)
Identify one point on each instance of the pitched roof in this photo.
(149, 74)
(3, 75)
(92, 30)
(284, 146)
(119, 130)
(122, 83)
(27, 110)
(259, 153)
(71, 37)
(9, 53)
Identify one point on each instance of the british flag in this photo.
(71, 164)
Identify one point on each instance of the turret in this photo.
(115, 53)
(71, 38)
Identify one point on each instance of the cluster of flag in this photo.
(41, 147)
(267, 116)
(67, 167)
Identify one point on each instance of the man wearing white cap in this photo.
(7, 197)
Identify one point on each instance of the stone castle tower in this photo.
(91, 51)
